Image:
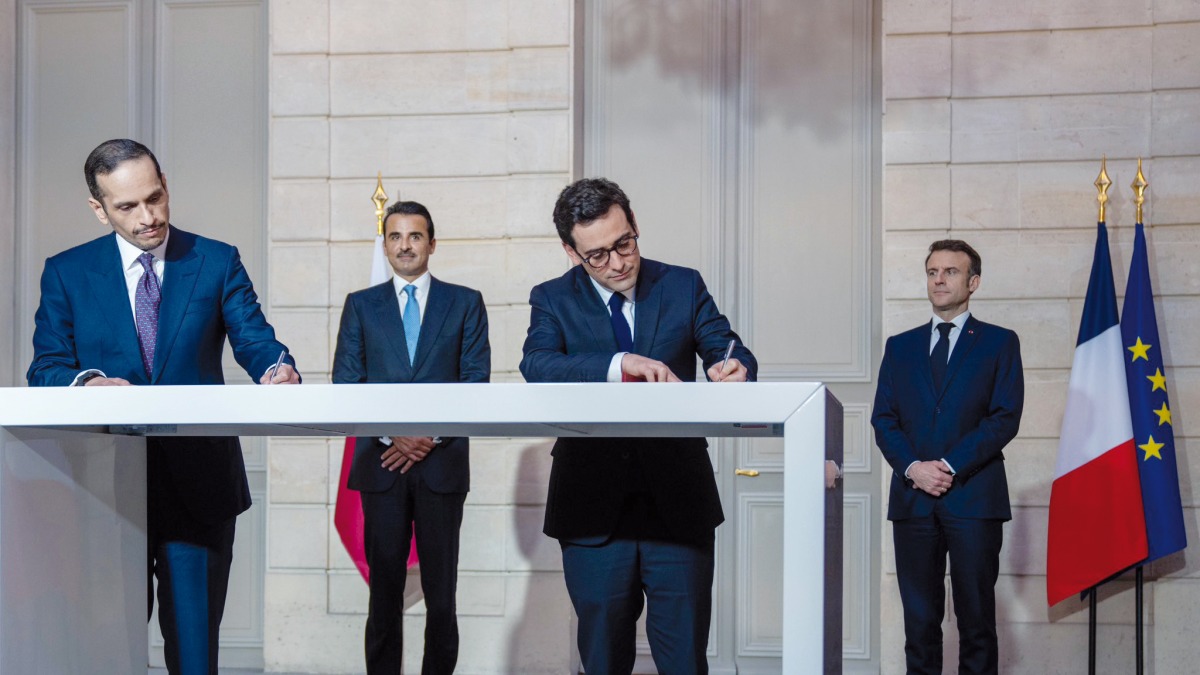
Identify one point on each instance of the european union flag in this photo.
(1150, 410)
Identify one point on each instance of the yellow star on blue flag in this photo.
(1164, 414)
(1151, 448)
(1140, 350)
(1158, 380)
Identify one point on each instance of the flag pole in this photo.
(1102, 184)
(1092, 629)
(1139, 186)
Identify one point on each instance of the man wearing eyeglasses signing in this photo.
(635, 517)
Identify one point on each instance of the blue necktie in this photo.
(940, 355)
(620, 326)
(412, 321)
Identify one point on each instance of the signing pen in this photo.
(275, 368)
(728, 353)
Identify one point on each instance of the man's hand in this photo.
(284, 374)
(933, 477)
(832, 473)
(107, 382)
(406, 451)
(650, 370)
(734, 371)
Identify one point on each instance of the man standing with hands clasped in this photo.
(635, 517)
(949, 399)
(150, 304)
(413, 328)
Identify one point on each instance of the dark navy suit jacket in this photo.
(967, 423)
(452, 347)
(85, 321)
(570, 339)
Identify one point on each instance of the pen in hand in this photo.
(728, 353)
(275, 368)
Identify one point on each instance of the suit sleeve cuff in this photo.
(86, 375)
(614, 367)
(910, 466)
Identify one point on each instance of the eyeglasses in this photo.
(624, 246)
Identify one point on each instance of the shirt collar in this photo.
(129, 252)
(605, 293)
(958, 321)
(421, 282)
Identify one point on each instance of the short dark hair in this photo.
(108, 156)
(959, 246)
(411, 209)
(586, 200)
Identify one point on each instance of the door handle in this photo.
(749, 473)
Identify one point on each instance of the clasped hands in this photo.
(637, 366)
(405, 451)
(933, 477)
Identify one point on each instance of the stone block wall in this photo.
(463, 105)
(996, 117)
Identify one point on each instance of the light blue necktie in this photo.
(412, 321)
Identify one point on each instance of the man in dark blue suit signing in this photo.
(949, 399)
(414, 328)
(150, 304)
(635, 517)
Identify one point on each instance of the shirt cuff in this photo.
(952, 471)
(614, 367)
(78, 381)
(910, 466)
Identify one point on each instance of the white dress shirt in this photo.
(627, 308)
(958, 321)
(421, 294)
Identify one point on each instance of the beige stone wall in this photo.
(996, 117)
(465, 106)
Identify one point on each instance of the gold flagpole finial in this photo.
(1139, 186)
(1102, 183)
(380, 199)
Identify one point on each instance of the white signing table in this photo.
(72, 487)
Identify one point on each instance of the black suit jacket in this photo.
(452, 347)
(570, 339)
(967, 423)
(85, 321)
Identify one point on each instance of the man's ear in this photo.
(571, 253)
(973, 283)
(98, 209)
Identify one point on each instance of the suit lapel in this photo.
(180, 273)
(386, 307)
(920, 353)
(593, 311)
(647, 308)
(437, 307)
(967, 338)
(107, 283)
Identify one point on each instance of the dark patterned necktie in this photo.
(621, 329)
(940, 355)
(146, 301)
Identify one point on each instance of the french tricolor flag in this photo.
(1097, 527)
